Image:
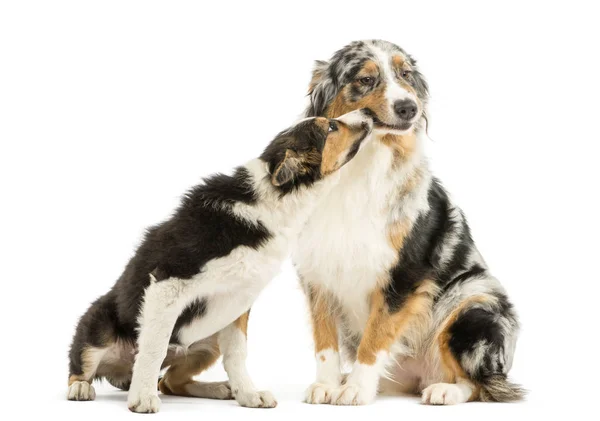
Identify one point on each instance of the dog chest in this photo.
(344, 247)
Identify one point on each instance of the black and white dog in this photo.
(184, 297)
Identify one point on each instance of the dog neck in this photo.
(282, 212)
(390, 174)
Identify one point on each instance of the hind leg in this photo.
(80, 380)
(475, 347)
(178, 380)
(90, 344)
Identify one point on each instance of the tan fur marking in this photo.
(322, 123)
(77, 378)
(403, 145)
(398, 61)
(375, 101)
(90, 360)
(242, 322)
(181, 373)
(323, 320)
(451, 367)
(397, 234)
(337, 145)
(384, 328)
(370, 68)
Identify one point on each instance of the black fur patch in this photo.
(472, 327)
(229, 189)
(415, 262)
(194, 311)
(302, 139)
(474, 272)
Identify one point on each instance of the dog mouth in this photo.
(401, 127)
(378, 124)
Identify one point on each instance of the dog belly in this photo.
(221, 311)
(230, 285)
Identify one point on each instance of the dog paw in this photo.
(442, 394)
(319, 393)
(143, 403)
(81, 391)
(352, 394)
(221, 390)
(256, 399)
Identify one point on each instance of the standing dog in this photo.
(185, 296)
(389, 267)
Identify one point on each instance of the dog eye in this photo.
(366, 80)
(406, 73)
(333, 126)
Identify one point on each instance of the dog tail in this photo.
(497, 388)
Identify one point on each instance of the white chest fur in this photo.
(344, 246)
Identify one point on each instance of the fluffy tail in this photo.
(498, 389)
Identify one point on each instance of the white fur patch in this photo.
(362, 383)
(328, 367)
(394, 91)
(329, 377)
(447, 393)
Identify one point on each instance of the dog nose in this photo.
(406, 109)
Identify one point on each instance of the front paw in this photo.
(253, 399)
(319, 393)
(352, 394)
(143, 402)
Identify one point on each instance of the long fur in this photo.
(393, 255)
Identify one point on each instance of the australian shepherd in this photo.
(393, 278)
(184, 298)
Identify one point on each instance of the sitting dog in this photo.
(185, 296)
(394, 279)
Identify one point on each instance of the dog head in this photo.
(315, 148)
(374, 75)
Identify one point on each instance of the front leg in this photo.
(232, 341)
(329, 376)
(383, 328)
(163, 303)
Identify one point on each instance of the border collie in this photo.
(392, 275)
(185, 296)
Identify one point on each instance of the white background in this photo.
(110, 110)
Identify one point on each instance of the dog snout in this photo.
(357, 119)
(405, 109)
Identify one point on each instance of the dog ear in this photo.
(321, 90)
(317, 75)
(287, 169)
